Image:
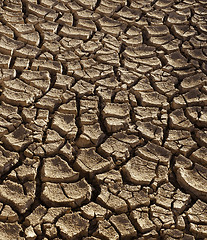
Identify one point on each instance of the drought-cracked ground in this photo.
(103, 119)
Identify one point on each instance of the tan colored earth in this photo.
(103, 119)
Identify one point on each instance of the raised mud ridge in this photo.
(103, 119)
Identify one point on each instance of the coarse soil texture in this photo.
(103, 119)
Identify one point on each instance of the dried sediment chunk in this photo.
(8, 215)
(65, 125)
(200, 156)
(94, 210)
(115, 148)
(124, 226)
(116, 116)
(134, 196)
(150, 131)
(177, 60)
(180, 140)
(90, 5)
(111, 201)
(18, 93)
(178, 120)
(8, 159)
(139, 171)
(113, 91)
(116, 110)
(156, 30)
(197, 115)
(201, 137)
(194, 181)
(88, 161)
(72, 226)
(161, 217)
(66, 194)
(83, 88)
(13, 193)
(164, 82)
(8, 45)
(106, 230)
(47, 65)
(53, 142)
(197, 217)
(19, 139)
(10, 230)
(75, 32)
(108, 56)
(154, 153)
(28, 170)
(192, 82)
(153, 99)
(5, 61)
(140, 218)
(111, 26)
(57, 170)
(146, 113)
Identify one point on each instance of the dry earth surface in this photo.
(103, 119)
